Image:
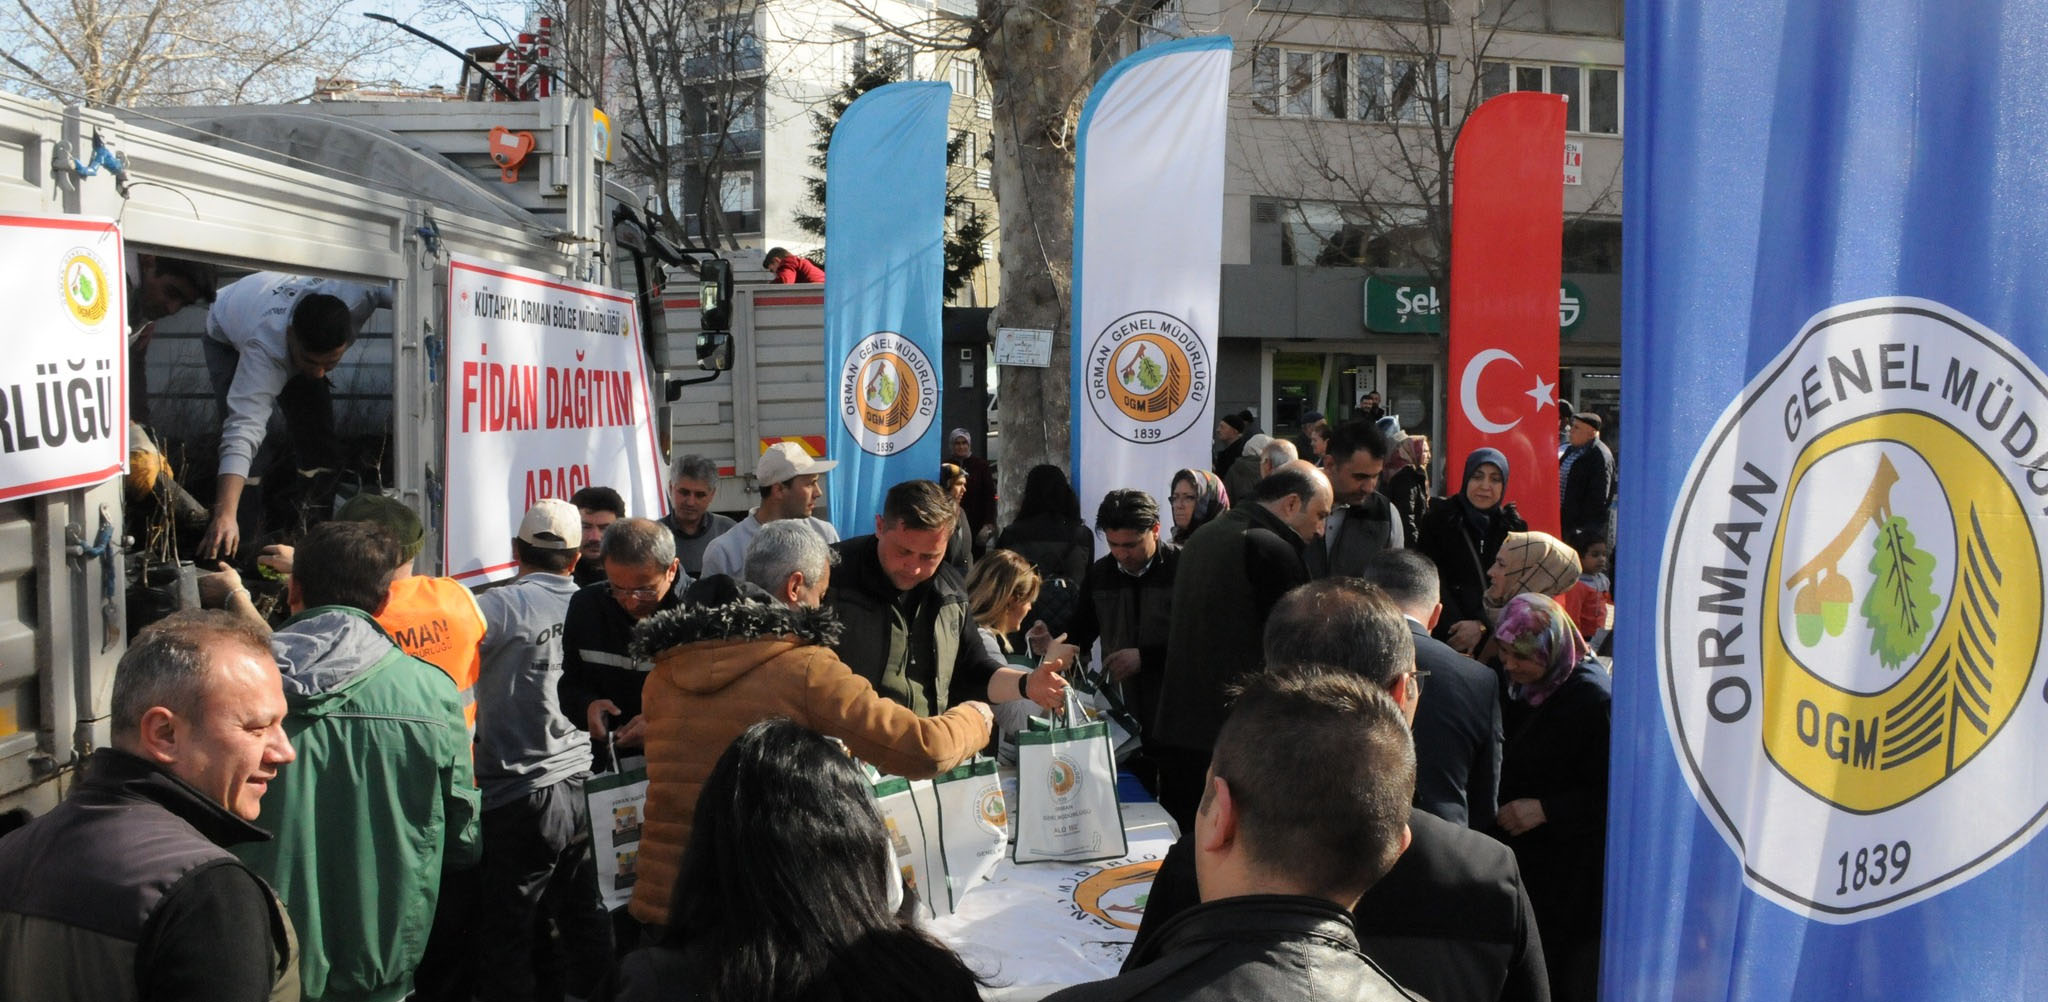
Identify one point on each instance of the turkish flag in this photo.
(1507, 250)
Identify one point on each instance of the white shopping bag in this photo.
(618, 805)
(1066, 805)
(973, 819)
(905, 805)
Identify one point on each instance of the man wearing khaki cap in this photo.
(787, 478)
(531, 763)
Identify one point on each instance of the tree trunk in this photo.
(1037, 64)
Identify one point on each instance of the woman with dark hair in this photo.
(1049, 533)
(1197, 496)
(1463, 535)
(789, 890)
(1553, 783)
(960, 548)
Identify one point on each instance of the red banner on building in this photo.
(1507, 240)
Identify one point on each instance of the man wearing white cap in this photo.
(787, 477)
(531, 763)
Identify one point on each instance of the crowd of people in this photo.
(382, 795)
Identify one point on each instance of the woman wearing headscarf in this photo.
(1553, 783)
(1405, 480)
(1463, 535)
(980, 500)
(1197, 496)
(1529, 562)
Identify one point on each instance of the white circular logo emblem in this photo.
(1850, 628)
(888, 393)
(1148, 376)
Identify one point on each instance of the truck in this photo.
(379, 192)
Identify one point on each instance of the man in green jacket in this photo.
(382, 797)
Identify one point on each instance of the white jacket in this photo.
(250, 316)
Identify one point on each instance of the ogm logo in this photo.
(86, 292)
(1144, 372)
(992, 809)
(1851, 612)
(1063, 777)
(888, 393)
(1115, 896)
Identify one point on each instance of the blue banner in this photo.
(885, 201)
(1830, 761)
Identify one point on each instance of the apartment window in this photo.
(969, 151)
(988, 250)
(982, 178)
(1331, 234)
(1352, 86)
(897, 54)
(963, 76)
(1592, 93)
(736, 191)
(851, 50)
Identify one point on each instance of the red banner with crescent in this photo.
(1507, 248)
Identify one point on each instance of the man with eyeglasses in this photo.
(1451, 920)
(1363, 522)
(601, 680)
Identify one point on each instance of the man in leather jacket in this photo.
(1311, 759)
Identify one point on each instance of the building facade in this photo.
(755, 76)
(1343, 115)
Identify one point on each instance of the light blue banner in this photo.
(1830, 761)
(885, 201)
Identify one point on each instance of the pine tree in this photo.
(963, 245)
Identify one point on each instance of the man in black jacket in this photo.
(130, 877)
(1231, 573)
(907, 628)
(1457, 729)
(1305, 807)
(1363, 521)
(601, 679)
(1127, 600)
(1585, 478)
(1451, 920)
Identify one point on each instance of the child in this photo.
(1590, 602)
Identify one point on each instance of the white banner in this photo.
(1148, 242)
(64, 379)
(548, 393)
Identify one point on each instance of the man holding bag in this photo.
(737, 653)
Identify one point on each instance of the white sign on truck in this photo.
(64, 391)
(548, 394)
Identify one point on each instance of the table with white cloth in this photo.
(1034, 928)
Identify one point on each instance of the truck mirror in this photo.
(715, 298)
(714, 351)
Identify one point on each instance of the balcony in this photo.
(741, 58)
(737, 143)
(739, 223)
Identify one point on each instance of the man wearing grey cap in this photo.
(787, 478)
(1585, 478)
(531, 763)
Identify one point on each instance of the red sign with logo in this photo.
(1507, 240)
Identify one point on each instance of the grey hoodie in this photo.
(325, 651)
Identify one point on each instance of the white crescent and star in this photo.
(1542, 394)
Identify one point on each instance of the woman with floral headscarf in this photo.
(1197, 496)
(1553, 782)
